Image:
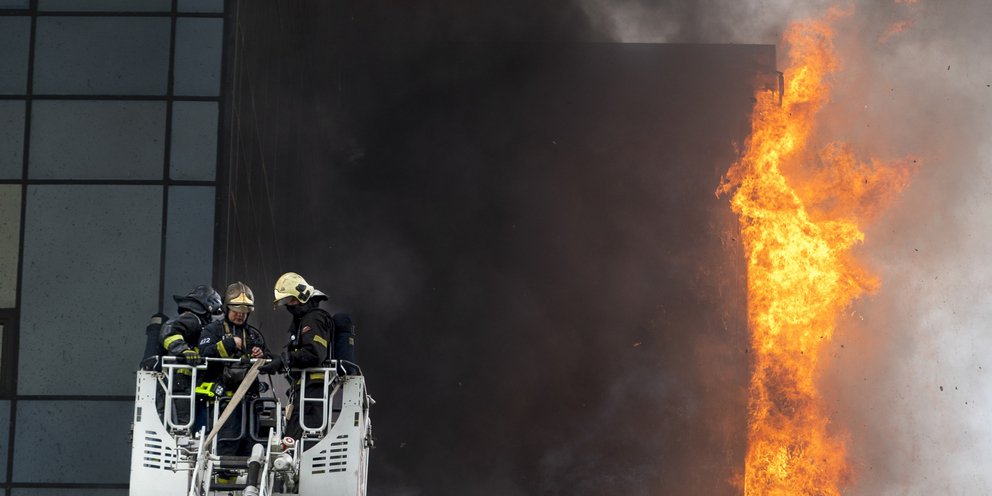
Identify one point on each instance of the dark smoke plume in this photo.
(521, 218)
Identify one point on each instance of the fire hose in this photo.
(235, 400)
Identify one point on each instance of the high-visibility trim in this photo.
(220, 344)
(314, 376)
(171, 339)
(318, 339)
(206, 389)
(184, 371)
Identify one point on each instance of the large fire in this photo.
(800, 212)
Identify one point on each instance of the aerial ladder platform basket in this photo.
(169, 457)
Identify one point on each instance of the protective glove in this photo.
(192, 357)
(273, 367)
(289, 360)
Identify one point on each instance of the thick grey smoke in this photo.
(914, 386)
(703, 21)
(909, 372)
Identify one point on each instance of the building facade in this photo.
(109, 127)
(501, 219)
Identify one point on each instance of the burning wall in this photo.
(798, 230)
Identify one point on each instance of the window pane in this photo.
(10, 232)
(194, 141)
(201, 5)
(11, 139)
(198, 56)
(107, 5)
(97, 140)
(15, 34)
(70, 436)
(102, 55)
(15, 4)
(189, 248)
(96, 251)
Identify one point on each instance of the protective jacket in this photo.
(177, 336)
(310, 338)
(217, 341)
(181, 333)
(309, 346)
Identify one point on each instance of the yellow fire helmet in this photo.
(239, 298)
(293, 285)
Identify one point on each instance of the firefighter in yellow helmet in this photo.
(309, 345)
(231, 337)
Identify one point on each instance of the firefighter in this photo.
(309, 346)
(231, 337)
(179, 337)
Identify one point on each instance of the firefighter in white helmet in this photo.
(309, 345)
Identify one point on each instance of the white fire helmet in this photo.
(292, 285)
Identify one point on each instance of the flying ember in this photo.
(800, 214)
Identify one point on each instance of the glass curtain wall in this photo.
(109, 126)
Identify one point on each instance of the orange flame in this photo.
(800, 273)
(894, 29)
